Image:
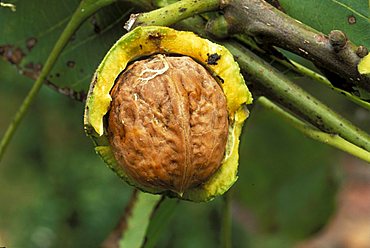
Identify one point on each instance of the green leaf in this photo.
(139, 219)
(350, 16)
(160, 220)
(29, 33)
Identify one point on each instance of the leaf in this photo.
(28, 35)
(267, 181)
(138, 220)
(160, 220)
(350, 16)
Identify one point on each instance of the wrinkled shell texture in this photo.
(168, 123)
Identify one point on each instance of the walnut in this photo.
(168, 123)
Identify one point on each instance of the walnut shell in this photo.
(168, 123)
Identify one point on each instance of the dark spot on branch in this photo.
(181, 10)
(213, 58)
(351, 19)
(71, 64)
(12, 54)
(30, 43)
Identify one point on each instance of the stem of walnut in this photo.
(323, 80)
(313, 133)
(172, 13)
(83, 11)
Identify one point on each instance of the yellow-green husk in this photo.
(146, 41)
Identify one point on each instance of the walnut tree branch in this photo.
(172, 13)
(270, 26)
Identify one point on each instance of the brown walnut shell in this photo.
(168, 123)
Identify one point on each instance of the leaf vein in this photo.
(349, 8)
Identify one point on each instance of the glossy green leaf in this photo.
(28, 34)
(350, 16)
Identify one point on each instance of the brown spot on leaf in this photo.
(12, 54)
(38, 67)
(32, 70)
(182, 10)
(75, 95)
(71, 64)
(351, 19)
(30, 43)
(29, 65)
